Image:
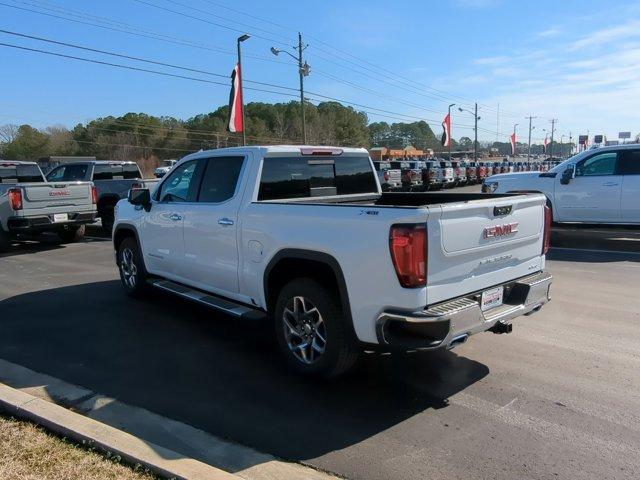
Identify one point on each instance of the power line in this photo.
(127, 28)
(193, 17)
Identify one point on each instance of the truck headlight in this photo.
(489, 187)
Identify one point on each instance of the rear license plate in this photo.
(60, 217)
(491, 298)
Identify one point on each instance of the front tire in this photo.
(71, 234)
(312, 330)
(132, 272)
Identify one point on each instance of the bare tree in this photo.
(8, 133)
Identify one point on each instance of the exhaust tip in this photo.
(459, 340)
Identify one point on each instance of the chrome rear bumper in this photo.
(452, 322)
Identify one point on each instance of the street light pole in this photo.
(529, 148)
(241, 39)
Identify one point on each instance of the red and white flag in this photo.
(512, 139)
(235, 102)
(546, 142)
(446, 134)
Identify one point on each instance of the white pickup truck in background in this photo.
(304, 236)
(28, 204)
(598, 186)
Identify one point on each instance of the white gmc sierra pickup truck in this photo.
(30, 205)
(304, 236)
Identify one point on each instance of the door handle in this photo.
(175, 217)
(609, 184)
(225, 221)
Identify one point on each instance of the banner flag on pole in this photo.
(546, 142)
(512, 139)
(235, 102)
(446, 134)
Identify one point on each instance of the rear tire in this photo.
(131, 267)
(5, 241)
(71, 234)
(312, 330)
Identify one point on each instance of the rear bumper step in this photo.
(445, 324)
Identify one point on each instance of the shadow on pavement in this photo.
(622, 239)
(217, 373)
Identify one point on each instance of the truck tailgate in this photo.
(51, 196)
(481, 243)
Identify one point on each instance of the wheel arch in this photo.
(123, 231)
(107, 199)
(305, 263)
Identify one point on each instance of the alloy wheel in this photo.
(128, 268)
(304, 330)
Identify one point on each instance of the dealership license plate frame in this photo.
(492, 298)
(60, 217)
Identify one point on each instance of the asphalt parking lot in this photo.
(557, 398)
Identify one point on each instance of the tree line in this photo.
(142, 137)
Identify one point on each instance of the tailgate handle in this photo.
(502, 210)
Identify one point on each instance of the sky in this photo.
(407, 60)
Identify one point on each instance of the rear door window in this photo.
(302, 177)
(105, 172)
(629, 163)
(68, 173)
(220, 179)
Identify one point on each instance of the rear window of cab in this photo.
(13, 173)
(303, 177)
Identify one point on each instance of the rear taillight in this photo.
(548, 219)
(15, 198)
(94, 195)
(458, 171)
(386, 176)
(408, 245)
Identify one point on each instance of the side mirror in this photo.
(140, 196)
(567, 176)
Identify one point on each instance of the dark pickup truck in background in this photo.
(112, 179)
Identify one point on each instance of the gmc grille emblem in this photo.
(501, 230)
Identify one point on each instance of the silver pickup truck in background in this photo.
(28, 204)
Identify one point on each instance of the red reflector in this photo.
(94, 195)
(548, 219)
(15, 198)
(408, 246)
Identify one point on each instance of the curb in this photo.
(84, 430)
(167, 447)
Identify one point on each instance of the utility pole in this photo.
(529, 148)
(475, 131)
(303, 71)
(553, 128)
(561, 143)
(498, 123)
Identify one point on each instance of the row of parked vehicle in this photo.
(434, 174)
